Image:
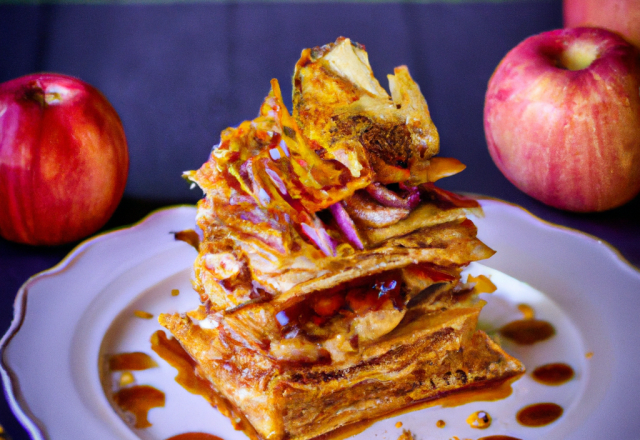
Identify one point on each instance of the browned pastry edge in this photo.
(300, 402)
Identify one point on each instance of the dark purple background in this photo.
(180, 73)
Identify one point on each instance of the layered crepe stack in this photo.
(329, 272)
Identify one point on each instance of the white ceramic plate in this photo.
(68, 317)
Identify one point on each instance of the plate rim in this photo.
(20, 408)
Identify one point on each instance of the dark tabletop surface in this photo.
(180, 73)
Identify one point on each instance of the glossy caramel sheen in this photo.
(527, 311)
(528, 331)
(138, 400)
(134, 361)
(172, 352)
(350, 299)
(539, 414)
(479, 420)
(553, 374)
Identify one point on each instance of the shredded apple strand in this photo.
(267, 181)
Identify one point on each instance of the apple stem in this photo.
(33, 92)
(578, 56)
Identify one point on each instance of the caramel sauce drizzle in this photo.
(553, 374)
(142, 314)
(539, 414)
(172, 352)
(497, 391)
(528, 331)
(135, 361)
(138, 400)
(479, 420)
(126, 378)
(527, 311)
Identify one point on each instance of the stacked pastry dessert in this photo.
(329, 272)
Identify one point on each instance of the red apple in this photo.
(562, 118)
(621, 16)
(63, 159)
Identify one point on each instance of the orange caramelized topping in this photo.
(267, 180)
(327, 305)
(354, 298)
(427, 271)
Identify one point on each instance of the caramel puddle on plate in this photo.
(479, 420)
(136, 400)
(527, 311)
(133, 361)
(553, 374)
(172, 352)
(142, 314)
(528, 331)
(539, 414)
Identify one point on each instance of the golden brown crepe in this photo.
(329, 271)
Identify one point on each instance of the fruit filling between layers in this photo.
(330, 324)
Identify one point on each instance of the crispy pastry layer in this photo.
(426, 357)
